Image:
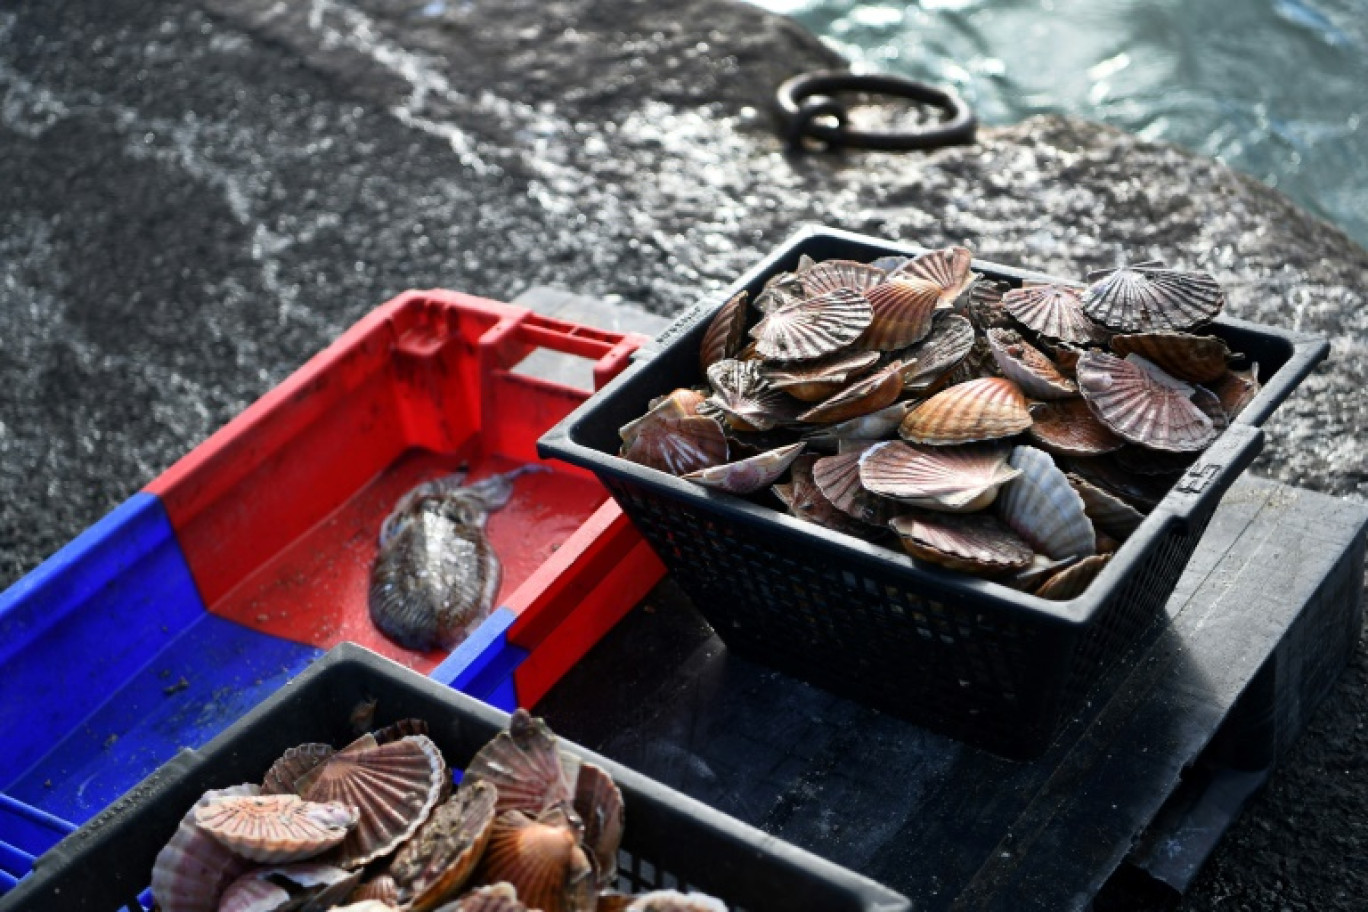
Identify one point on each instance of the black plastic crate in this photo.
(670, 841)
(970, 658)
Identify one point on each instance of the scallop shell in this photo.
(679, 445)
(1028, 578)
(499, 897)
(860, 398)
(274, 829)
(542, 860)
(811, 328)
(1109, 514)
(725, 334)
(782, 289)
(381, 888)
(746, 398)
(1065, 357)
(394, 786)
(1044, 509)
(401, 729)
(1072, 581)
(281, 778)
(1054, 311)
(958, 480)
(527, 767)
(1068, 426)
(947, 269)
(682, 403)
(747, 476)
(932, 358)
(1209, 404)
(365, 905)
(838, 478)
(433, 865)
(193, 869)
(1200, 359)
(598, 802)
(1140, 405)
(1025, 365)
(903, 309)
(311, 886)
(833, 275)
(674, 901)
(813, 381)
(1236, 389)
(983, 409)
(806, 501)
(1148, 297)
(973, 542)
(874, 426)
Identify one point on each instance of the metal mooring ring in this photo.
(805, 98)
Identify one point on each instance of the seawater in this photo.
(1277, 89)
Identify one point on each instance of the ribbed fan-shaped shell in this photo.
(680, 403)
(674, 901)
(499, 897)
(838, 478)
(831, 275)
(543, 861)
(1044, 509)
(441, 856)
(679, 445)
(1149, 297)
(527, 766)
(747, 476)
(725, 334)
(274, 829)
(983, 409)
(947, 269)
(1141, 407)
(381, 888)
(394, 786)
(1054, 311)
(1201, 359)
(1236, 389)
(972, 542)
(598, 802)
(281, 778)
(308, 885)
(813, 327)
(1026, 366)
(806, 501)
(1068, 427)
(860, 398)
(193, 869)
(903, 309)
(877, 425)
(746, 398)
(932, 358)
(1073, 580)
(952, 480)
(1109, 513)
(813, 381)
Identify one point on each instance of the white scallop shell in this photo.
(1044, 509)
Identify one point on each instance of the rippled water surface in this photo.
(1275, 88)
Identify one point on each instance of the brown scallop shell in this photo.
(598, 802)
(860, 398)
(1200, 359)
(1041, 507)
(1140, 405)
(1027, 367)
(952, 480)
(1148, 297)
(877, 425)
(925, 363)
(274, 829)
(746, 476)
(813, 381)
(1109, 514)
(947, 268)
(838, 478)
(1068, 427)
(380, 888)
(725, 334)
(681, 403)
(746, 397)
(1054, 311)
(674, 901)
(499, 897)
(810, 328)
(903, 309)
(973, 542)
(1210, 405)
(308, 885)
(542, 860)
(679, 445)
(193, 869)
(805, 500)
(433, 865)
(983, 409)
(394, 786)
(1236, 389)
(1073, 580)
(281, 778)
(527, 767)
(831, 275)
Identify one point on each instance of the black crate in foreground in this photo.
(970, 658)
(670, 840)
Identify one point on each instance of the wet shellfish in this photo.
(1027, 367)
(442, 855)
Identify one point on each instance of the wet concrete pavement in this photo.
(194, 198)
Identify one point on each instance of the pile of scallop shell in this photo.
(1016, 433)
(377, 827)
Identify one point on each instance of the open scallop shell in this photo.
(903, 309)
(947, 268)
(832, 275)
(1044, 509)
(1210, 405)
(983, 409)
(973, 542)
(394, 786)
(442, 855)
(952, 480)
(542, 860)
(1200, 359)
(1236, 389)
(838, 478)
(876, 425)
(1140, 405)
(1068, 427)
(274, 829)
(747, 476)
(193, 869)
(527, 766)
(380, 888)
(308, 885)
(725, 334)
(925, 363)
(813, 327)
(1027, 367)
(283, 775)
(1073, 580)
(1109, 514)
(678, 445)
(1148, 297)
(499, 897)
(746, 397)
(813, 381)
(860, 398)
(598, 802)
(1054, 311)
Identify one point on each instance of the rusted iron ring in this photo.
(805, 98)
